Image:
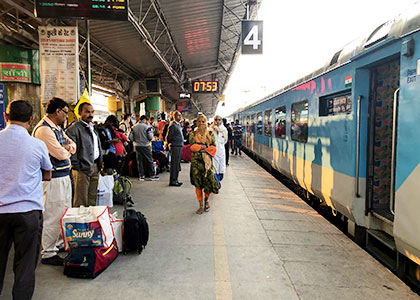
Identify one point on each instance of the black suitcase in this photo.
(136, 230)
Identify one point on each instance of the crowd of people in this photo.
(58, 168)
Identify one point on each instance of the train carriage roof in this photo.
(400, 26)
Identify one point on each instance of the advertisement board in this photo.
(15, 72)
(2, 105)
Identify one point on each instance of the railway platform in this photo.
(259, 241)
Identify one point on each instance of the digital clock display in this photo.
(116, 10)
(205, 86)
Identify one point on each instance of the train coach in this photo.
(349, 135)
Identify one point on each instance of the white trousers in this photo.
(57, 197)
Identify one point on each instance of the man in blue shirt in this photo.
(158, 153)
(24, 163)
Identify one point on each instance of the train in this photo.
(348, 135)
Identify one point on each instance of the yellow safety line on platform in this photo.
(222, 285)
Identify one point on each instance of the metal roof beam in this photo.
(206, 74)
(201, 68)
(20, 8)
(151, 42)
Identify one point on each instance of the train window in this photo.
(248, 124)
(267, 123)
(259, 123)
(331, 105)
(252, 123)
(299, 124)
(280, 129)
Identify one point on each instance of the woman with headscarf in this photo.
(203, 147)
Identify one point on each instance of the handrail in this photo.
(358, 146)
(394, 143)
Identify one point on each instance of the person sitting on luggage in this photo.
(158, 153)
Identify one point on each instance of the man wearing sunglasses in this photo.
(57, 192)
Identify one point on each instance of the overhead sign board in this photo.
(205, 86)
(184, 95)
(116, 10)
(252, 37)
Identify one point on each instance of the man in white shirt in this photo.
(219, 160)
(87, 161)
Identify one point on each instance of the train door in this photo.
(384, 84)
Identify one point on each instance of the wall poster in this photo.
(59, 57)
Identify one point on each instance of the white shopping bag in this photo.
(87, 227)
(105, 190)
(117, 226)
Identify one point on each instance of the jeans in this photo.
(237, 144)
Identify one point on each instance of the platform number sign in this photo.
(252, 37)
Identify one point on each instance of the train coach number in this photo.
(252, 37)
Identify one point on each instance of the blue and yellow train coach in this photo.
(349, 134)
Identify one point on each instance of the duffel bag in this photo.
(89, 262)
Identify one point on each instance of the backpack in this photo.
(89, 262)
(103, 137)
(122, 190)
(136, 231)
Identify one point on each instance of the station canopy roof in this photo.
(177, 41)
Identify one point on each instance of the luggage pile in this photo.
(93, 237)
(89, 237)
(113, 189)
(135, 227)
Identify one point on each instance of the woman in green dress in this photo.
(203, 147)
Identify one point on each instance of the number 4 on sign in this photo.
(252, 38)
